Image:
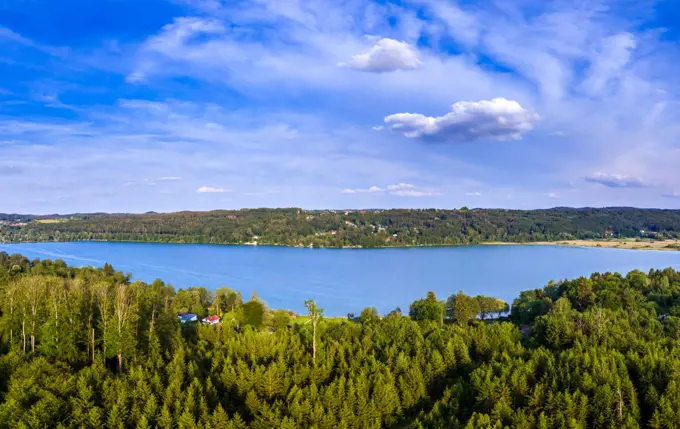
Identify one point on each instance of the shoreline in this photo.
(627, 244)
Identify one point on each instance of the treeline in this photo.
(88, 348)
(364, 228)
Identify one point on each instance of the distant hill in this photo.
(348, 228)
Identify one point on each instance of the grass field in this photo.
(300, 320)
(51, 220)
(624, 243)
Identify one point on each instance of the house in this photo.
(211, 320)
(187, 317)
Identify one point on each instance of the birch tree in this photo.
(315, 315)
(124, 317)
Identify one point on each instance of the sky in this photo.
(168, 105)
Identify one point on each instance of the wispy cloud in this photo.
(9, 170)
(615, 180)
(372, 189)
(400, 187)
(414, 193)
(399, 190)
(261, 102)
(142, 182)
(212, 190)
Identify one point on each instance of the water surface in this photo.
(346, 280)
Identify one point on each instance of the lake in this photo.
(347, 280)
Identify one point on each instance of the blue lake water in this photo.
(347, 280)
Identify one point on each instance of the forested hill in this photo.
(87, 348)
(365, 228)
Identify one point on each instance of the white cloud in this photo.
(212, 190)
(372, 189)
(473, 194)
(378, 128)
(674, 195)
(399, 190)
(170, 178)
(552, 195)
(414, 193)
(400, 186)
(615, 180)
(143, 182)
(387, 55)
(498, 119)
(609, 62)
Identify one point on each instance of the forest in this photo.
(348, 228)
(89, 348)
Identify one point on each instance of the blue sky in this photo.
(166, 105)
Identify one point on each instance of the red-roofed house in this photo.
(211, 320)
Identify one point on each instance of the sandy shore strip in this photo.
(631, 243)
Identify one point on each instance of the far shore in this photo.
(624, 243)
(620, 243)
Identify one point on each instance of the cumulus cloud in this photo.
(498, 119)
(615, 180)
(387, 55)
(212, 190)
(361, 191)
(378, 128)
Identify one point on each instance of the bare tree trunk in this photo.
(11, 315)
(123, 305)
(23, 333)
(56, 324)
(314, 341)
(92, 345)
(33, 335)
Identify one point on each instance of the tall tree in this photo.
(103, 300)
(124, 316)
(461, 308)
(315, 315)
(428, 308)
